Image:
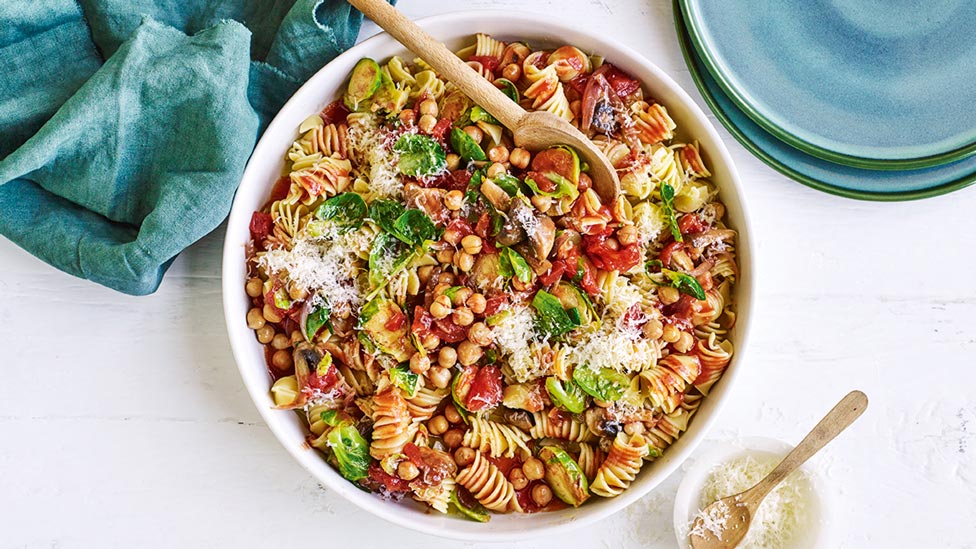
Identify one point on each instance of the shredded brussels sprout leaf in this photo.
(346, 211)
(385, 213)
(351, 451)
(475, 512)
(667, 199)
(564, 187)
(508, 183)
(414, 227)
(514, 265)
(402, 377)
(316, 319)
(508, 87)
(551, 318)
(420, 156)
(683, 282)
(566, 395)
(466, 147)
(604, 384)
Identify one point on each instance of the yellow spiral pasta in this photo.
(393, 427)
(566, 429)
(423, 405)
(652, 122)
(621, 466)
(590, 459)
(715, 356)
(496, 439)
(438, 496)
(488, 485)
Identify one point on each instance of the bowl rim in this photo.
(548, 27)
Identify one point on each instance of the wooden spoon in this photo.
(740, 508)
(532, 130)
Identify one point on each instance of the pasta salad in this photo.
(468, 323)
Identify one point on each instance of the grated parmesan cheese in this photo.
(529, 222)
(780, 517)
(375, 160)
(514, 335)
(614, 345)
(323, 265)
(649, 223)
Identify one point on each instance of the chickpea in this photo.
(281, 360)
(480, 334)
(668, 294)
(533, 469)
(445, 256)
(464, 456)
(541, 203)
(601, 403)
(512, 71)
(462, 316)
(430, 341)
(270, 314)
(517, 478)
(464, 261)
(407, 470)
(451, 235)
(441, 307)
(424, 273)
(428, 106)
(519, 285)
(627, 235)
(255, 320)
(653, 329)
(541, 495)
(427, 123)
(438, 425)
(281, 341)
(453, 161)
(254, 287)
(474, 132)
(408, 117)
(575, 107)
(296, 293)
(612, 243)
(634, 428)
(446, 278)
(469, 353)
(584, 182)
(670, 334)
(297, 337)
(440, 288)
(265, 334)
(453, 200)
(498, 154)
(520, 158)
(451, 413)
(440, 377)
(419, 363)
(495, 170)
(460, 296)
(447, 357)
(472, 244)
(685, 342)
(453, 438)
(477, 303)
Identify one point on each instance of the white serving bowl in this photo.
(265, 166)
(688, 499)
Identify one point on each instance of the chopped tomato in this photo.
(554, 273)
(336, 112)
(434, 465)
(389, 482)
(261, 224)
(489, 62)
(493, 304)
(587, 278)
(634, 316)
(450, 332)
(321, 383)
(461, 226)
(440, 129)
(486, 390)
(608, 259)
(665, 255)
(396, 321)
(622, 83)
(423, 322)
(483, 225)
(280, 189)
(545, 184)
(456, 180)
(691, 223)
(578, 84)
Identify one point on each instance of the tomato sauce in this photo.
(261, 225)
(489, 62)
(335, 113)
(622, 259)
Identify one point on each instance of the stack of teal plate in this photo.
(871, 99)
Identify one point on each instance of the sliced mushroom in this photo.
(496, 195)
(543, 237)
(519, 418)
(707, 238)
(526, 250)
(512, 233)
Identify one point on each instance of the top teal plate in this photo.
(881, 84)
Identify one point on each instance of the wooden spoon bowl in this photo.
(533, 131)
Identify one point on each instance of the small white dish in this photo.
(697, 470)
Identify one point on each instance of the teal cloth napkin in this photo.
(125, 125)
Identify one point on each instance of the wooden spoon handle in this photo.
(839, 418)
(443, 60)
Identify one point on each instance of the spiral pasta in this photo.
(621, 466)
(564, 428)
(652, 122)
(590, 459)
(393, 427)
(423, 405)
(496, 439)
(488, 485)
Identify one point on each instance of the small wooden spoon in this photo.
(532, 130)
(740, 508)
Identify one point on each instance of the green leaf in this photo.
(330, 417)
(476, 512)
(351, 451)
(605, 384)
(667, 199)
(511, 264)
(316, 319)
(414, 227)
(466, 147)
(653, 264)
(478, 114)
(685, 283)
(346, 211)
(508, 183)
(387, 257)
(450, 292)
(567, 396)
(551, 318)
(420, 155)
(402, 377)
(564, 187)
(509, 88)
(385, 213)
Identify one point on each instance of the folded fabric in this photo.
(125, 125)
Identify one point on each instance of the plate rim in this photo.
(830, 155)
(781, 167)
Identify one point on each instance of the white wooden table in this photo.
(123, 421)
